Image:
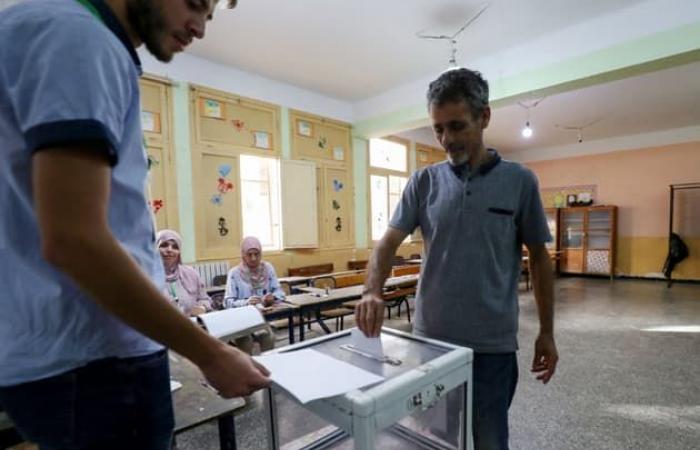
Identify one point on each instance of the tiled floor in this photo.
(618, 386)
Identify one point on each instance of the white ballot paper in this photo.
(230, 322)
(373, 346)
(310, 375)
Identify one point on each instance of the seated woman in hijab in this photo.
(182, 283)
(253, 282)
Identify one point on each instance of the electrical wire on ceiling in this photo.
(579, 129)
(452, 38)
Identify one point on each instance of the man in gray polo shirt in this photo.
(475, 212)
(84, 320)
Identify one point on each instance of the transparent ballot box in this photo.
(424, 401)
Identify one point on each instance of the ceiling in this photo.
(656, 101)
(353, 50)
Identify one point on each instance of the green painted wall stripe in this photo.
(359, 161)
(183, 169)
(286, 133)
(655, 52)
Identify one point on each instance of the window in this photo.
(388, 178)
(260, 200)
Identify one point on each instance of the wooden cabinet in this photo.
(552, 215)
(587, 240)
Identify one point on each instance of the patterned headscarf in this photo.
(258, 277)
(188, 278)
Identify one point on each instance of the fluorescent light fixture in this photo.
(674, 329)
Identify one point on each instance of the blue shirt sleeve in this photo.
(405, 216)
(71, 85)
(275, 288)
(531, 220)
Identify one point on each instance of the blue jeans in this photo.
(495, 379)
(107, 404)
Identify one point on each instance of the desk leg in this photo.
(320, 321)
(227, 432)
(301, 324)
(290, 327)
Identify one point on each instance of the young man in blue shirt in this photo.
(475, 212)
(82, 363)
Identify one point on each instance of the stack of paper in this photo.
(231, 322)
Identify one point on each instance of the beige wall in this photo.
(637, 181)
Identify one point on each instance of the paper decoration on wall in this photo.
(338, 224)
(337, 186)
(261, 139)
(223, 185)
(152, 162)
(238, 124)
(212, 109)
(338, 153)
(336, 205)
(157, 205)
(150, 121)
(305, 128)
(217, 199)
(223, 230)
(322, 142)
(224, 170)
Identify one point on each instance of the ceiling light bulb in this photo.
(527, 131)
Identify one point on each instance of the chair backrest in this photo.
(309, 271)
(357, 265)
(286, 287)
(211, 269)
(398, 260)
(405, 270)
(350, 280)
(219, 280)
(324, 282)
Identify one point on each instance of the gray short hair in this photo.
(460, 85)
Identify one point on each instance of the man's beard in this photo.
(146, 19)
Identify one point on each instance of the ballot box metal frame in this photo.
(363, 413)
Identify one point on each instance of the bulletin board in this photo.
(225, 120)
(317, 138)
(426, 155)
(338, 207)
(218, 223)
(156, 119)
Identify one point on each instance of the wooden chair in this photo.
(398, 260)
(396, 298)
(400, 271)
(333, 313)
(358, 265)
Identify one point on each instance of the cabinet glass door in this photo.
(572, 229)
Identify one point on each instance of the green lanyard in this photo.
(173, 294)
(91, 8)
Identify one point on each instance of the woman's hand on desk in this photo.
(234, 374)
(254, 300)
(197, 310)
(268, 300)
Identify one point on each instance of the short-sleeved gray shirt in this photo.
(473, 229)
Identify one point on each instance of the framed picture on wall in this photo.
(339, 153)
(212, 109)
(262, 139)
(305, 128)
(150, 121)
